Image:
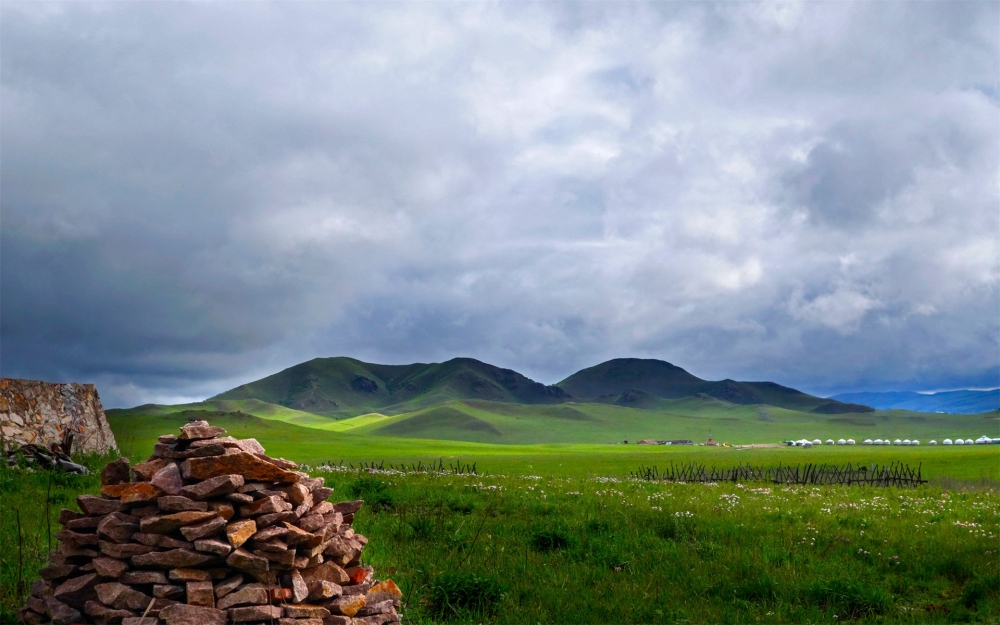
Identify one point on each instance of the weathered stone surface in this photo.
(238, 532)
(198, 430)
(214, 487)
(306, 611)
(321, 493)
(311, 523)
(168, 479)
(122, 551)
(254, 613)
(201, 593)
(338, 619)
(229, 585)
(240, 497)
(144, 511)
(170, 451)
(285, 558)
(115, 529)
(278, 462)
(348, 605)
(109, 567)
(267, 505)
(300, 621)
(140, 492)
(349, 507)
(300, 537)
(245, 561)
(323, 590)
(249, 466)
(276, 517)
(384, 591)
(66, 515)
(143, 577)
(116, 472)
(359, 589)
(170, 522)
(381, 607)
(113, 491)
(272, 545)
(97, 506)
(103, 614)
(180, 614)
(138, 620)
(202, 530)
(188, 575)
(327, 571)
(164, 591)
(121, 597)
(223, 509)
(60, 613)
(172, 559)
(177, 503)
(300, 591)
(76, 590)
(76, 539)
(359, 574)
(83, 523)
(160, 540)
(57, 571)
(253, 594)
(146, 470)
(213, 546)
(43, 413)
(297, 493)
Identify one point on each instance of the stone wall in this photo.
(41, 413)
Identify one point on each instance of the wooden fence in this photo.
(458, 468)
(895, 474)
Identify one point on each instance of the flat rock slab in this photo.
(201, 594)
(170, 522)
(306, 611)
(203, 530)
(172, 559)
(143, 577)
(199, 430)
(248, 595)
(239, 532)
(254, 613)
(168, 479)
(109, 567)
(115, 472)
(177, 503)
(213, 546)
(146, 470)
(180, 614)
(248, 465)
(245, 561)
(215, 486)
(98, 506)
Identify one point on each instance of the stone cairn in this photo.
(209, 530)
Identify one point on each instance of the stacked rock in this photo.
(209, 530)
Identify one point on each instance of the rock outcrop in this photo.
(46, 413)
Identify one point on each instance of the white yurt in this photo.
(867, 441)
(897, 442)
(932, 442)
(886, 442)
(906, 441)
(850, 441)
(841, 441)
(829, 441)
(969, 441)
(817, 442)
(959, 441)
(984, 440)
(914, 442)
(946, 441)
(878, 441)
(807, 444)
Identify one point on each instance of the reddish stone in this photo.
(201, 593)
(121, 597)
(346, 605)
(254, 613)
(180, 614)
(57, 571)
(214, 487)
(76, 539)
(213, 546)
(146, 470)
(245, 561)
(279, 594)
(201, 530)
(170, 522)
(163, 591)
(189, 575)
(321, 493)
(199, 430)
(97, 506)
(281, 557)
(311, 523)
(144, 511)
(174, 558)
(337, 619)
(76, 590)
(123, 551)
(381, 607)
(159, 540)
(143, 577)
(384, 591)
(272, 545)
(109, 567)
(323, 590)
(300, 591)
(223, 509)
(327, 571)
(224, 588)
(103, 614)
(176, 503)
(65, 516)
(60, 613)
(242, 463)
(349, 507)
(115, 472)
(269, 533)
(277, 517)
(359, 574)
(140, 492)
(115, 529)
(239, 532)
(172, 452)
(306, 611)
(138, 620)
(278, 462)
(254, 594)
(297, 536)
(168, 479)
(322, 508)
(240, 497)
(113, 490)
(297, 493)
(83, 523)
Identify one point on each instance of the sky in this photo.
(196, 195)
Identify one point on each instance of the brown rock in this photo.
(311, 523)
(57, 571)
(276, 517)
(272, 545)
(115, 472)
(254, 613)
(31, 617)
(242, 463)
(97, 506)
(349, 507)
(240, 497)
(250, 445)
(201, 593)
(176, 503)
(77, 540)
(144, 511)
(297, 536)
(163, 591)
(269, 533)
(174, 558)
(359, 589)
(104, 614)
(84, 523)
(180, 614)
(323, 508)
(214, 487)
(297, 493)
(285, 558)
(338, 619)
(37, 604)
(122, 551)
(208, 528)
(189, 575)
(359, 574)
(267, 505)
(381, 607)
(229, 585)
(76, 590)
(384, 591)
(321, 493)
(60, 613)
(116, 529)
(65, 515)
(239, 532)
(179, 453)
(346, 605)
(306, 611)
(138, 620)
(299, 588)
(245, 561)
(253, 594)
(159, 540)
(146, 470)
(168, 479)
(140, 492)
(327, 571)
(121, 597)
(300, 621)
(170, 522)
(324, 590)
(113, 491)
(143, 577)
(253, 487)
(223, 508)
(199, 430)
(109, 567)
(213, 546)
(278, 462)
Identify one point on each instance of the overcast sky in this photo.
(198, 195)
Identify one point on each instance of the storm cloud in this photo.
(196, 195)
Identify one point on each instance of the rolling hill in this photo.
(954, 402)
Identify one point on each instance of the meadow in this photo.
(559, 534)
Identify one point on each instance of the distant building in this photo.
(711, 443)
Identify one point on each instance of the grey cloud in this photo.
(195, 195)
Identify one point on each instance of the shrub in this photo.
(454, 593)
(554, 539)
(375, 492)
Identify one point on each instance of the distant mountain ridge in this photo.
(344, 386)
(955, 402)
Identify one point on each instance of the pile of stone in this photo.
(52, 459)
(209, 531)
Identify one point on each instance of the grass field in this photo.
(558, 534)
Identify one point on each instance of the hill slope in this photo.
(955, 402)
